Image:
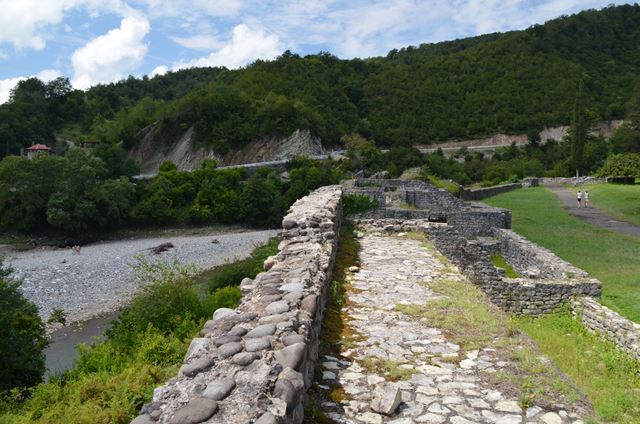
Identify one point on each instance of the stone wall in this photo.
(408, 199)
(255, 363)
(514, 295)
(533, 261)
(602, 320)
(573, 180)
(479, 220)
(484, 192)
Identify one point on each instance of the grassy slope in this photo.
(610, 257)
(619, 201)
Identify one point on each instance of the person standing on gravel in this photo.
(579, 198)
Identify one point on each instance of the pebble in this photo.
(101, 279)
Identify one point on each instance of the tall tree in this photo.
(579, 131)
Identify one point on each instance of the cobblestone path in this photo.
(401, 370)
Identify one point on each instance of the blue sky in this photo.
(100, 41)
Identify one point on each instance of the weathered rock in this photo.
(292, 339)
(269, 263)
(277, 307)
(386, 398)
(229, 349)
(256, 344)
(286, 391)
(223, 312)
(310, 304)
(226, 339)
(219, 389)
(237, 331)
(195, 411)
(244, 358)
(291, 356)
(551, 418)
(143, 419)
(198, 365)
(267, 418)
(261, 331)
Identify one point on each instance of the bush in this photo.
(621, 165)
(231, 274)
(356, 203)
(166, 298)
(22, 336)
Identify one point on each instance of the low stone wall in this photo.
(573, 180)
(484, 192)
(519, 295)
(607, 323)
(533, 261)
(479, 220)
(255, 363)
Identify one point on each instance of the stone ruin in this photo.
(255, 364)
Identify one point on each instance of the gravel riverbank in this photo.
(101, 277)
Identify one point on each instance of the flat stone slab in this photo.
(219, 389)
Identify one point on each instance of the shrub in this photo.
(22, 336)
(167, 296)
(621, 165)
(357, 203)
(231, 274)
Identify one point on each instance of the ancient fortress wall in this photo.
(254, 364)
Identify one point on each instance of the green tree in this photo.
(579, 131)
(22, 336)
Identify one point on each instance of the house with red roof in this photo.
(38, 149)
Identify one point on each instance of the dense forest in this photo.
(573, 70)
(518, 81)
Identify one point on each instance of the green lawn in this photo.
(618, 200)
(610, 257)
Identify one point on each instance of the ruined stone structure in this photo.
(255, 364)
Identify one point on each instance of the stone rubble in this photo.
(442, 383)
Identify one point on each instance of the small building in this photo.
(38, 149)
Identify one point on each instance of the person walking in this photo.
(579, 198)
(586, 199)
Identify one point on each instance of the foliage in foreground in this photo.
(22, 336)
(609, 377)
(144, 348)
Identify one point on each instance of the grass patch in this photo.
(610, 378)
(457, 312)
(499, 262)
(144, 348)
(608, 256)
(618, 200)
(451, 186)
(391, 370)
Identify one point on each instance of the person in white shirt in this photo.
(579, 198)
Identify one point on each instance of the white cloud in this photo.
(191, 9)
(6, 85)
(111, 56)
(245, 46)
(159, 70)
(198, 42)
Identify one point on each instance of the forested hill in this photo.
(513, 82)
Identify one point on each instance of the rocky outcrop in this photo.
(155, 147)
(254, 364)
